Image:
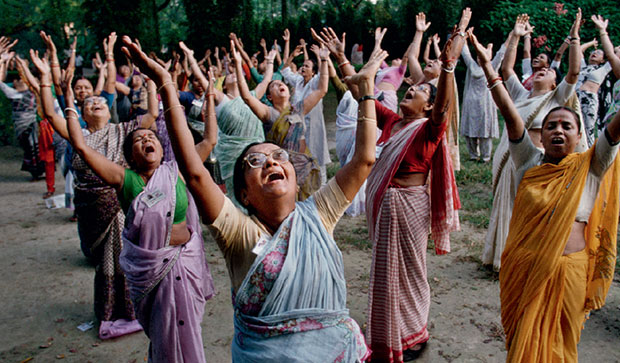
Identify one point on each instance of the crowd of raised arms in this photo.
(238, 143)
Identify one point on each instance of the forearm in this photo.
(100, 82)
(209, 139)
(510, 57)
(414, 52)
(574, 61)
(608, 48)
(110, 82)
(560, 53)
(427, 52)
(514, 123)
(527, 46)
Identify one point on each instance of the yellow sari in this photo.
(545, 296)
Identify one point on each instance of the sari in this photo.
(291, 306)
(545, 298)
(169, 285)
(100, 224)
(398, 224)
(287, 131)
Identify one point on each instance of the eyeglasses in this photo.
(95, 99)
(257, 160)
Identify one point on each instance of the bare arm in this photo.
(513, 41)
(51, 49)
(101, 79)
(304, 49)
(108, 46)
(209, 197)
(315, 96)
(47, 99)
(209, 137)
(260, 109)
(26, 75)
(261, 88)
(153, 105)
(574, 52)
(196, 71)
(608, 47)
(353, 174)
(427, 51)
(414, 49)
(449, 56)
(287, 44)
(436, 48)
(560, 53)
(514, 123)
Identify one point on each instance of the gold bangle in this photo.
(366, 119)
(344, 63)
(602, 34)
(45, 85)
(173, 106)
(164, 85)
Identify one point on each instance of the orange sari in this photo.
(544, 298)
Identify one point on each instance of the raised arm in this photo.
(55, 64)
(315, 96)
(436, 48)
(72, 50)
(426, 56)
(110, 172)
(47, 99)
(287, 44)
(26, 75)
(336, 47)
(574, 52)
(449, 56)
(261, 88)
(608, 47)
(557, 57)
(108, 47)
(514, 123)
(414, 49)
(209, 137)
(353, 174)
(209, 197)
(260, 109)
(193, 64)
(513, 41)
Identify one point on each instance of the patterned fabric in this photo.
(29, 141)
(100, 223)
(614, 106)
(398, 224)
(399, 294)
(291, 306)
(169, 285)
(535, 279)
(589, 113)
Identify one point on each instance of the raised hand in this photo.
(329, 37)
(465, 18)
(574, 30)
(420, 23)
(286, 36)
(297, 51)
(235, 53)
(529, 29)
(379, 34)
(369, 71)
(599, 22)
(520, 25)
(6, 45)
(41, 64)
(315, 49)
(485, 54)
(147, 65)
(108, 45)
(271, 55)
(188, 52)
(436, 38)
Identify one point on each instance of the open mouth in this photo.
(408, 96)
(557, 141)
(275, 176)
(149, 149)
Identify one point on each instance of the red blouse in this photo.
(421, 150)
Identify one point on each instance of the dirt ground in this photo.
(46, 291)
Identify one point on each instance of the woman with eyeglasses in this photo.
(286, 271)
(99, 214)
(533, 105)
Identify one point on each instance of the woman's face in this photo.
(278, 90)
(306, 69)
(596, 57)
(83, 89)
(146, 150)
(544, 79)
(540, 61)
(397, 62)
(416, 99)
(432, 69)
(274, 180)
(560, 134)
(125, 71)
(95, 108)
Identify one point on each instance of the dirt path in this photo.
(47, 289)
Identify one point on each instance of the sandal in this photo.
(413, 354)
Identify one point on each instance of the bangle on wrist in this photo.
(574, 38)
(366, 119)
(44, 85)
(493, 82)
(461, 33)
(164, 85)
(173, 106)
(527, 36)
(344, 63)
(366, 98)
(448, 70)
(70, 109)
(603, 34)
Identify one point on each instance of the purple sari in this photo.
(169, 285)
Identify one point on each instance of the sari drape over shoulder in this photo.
(535, 276)
(291, 306)
(169, 285)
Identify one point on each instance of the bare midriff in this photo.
(590, 86)
(409, 179)
(386, 86)
(180, 234)
(576, 240)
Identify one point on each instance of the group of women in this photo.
(139, 211)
